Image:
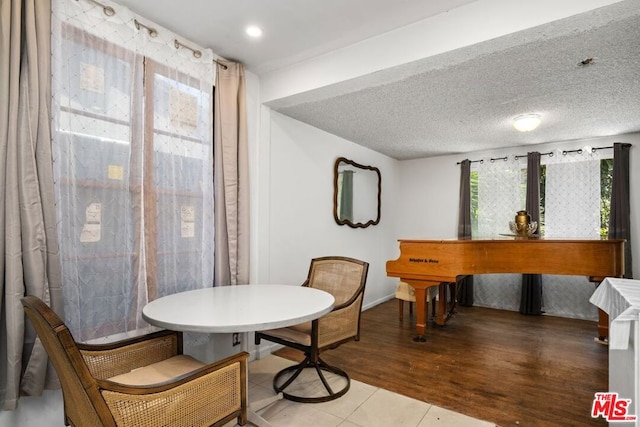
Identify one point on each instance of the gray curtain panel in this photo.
(465, 285)
(231, 176)
(531, 293)
(28, 245)
(346, 199)
(619, 220)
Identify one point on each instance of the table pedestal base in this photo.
(286, 377)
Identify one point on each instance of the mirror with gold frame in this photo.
(356, 193)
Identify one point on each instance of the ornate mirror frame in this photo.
(341, 161)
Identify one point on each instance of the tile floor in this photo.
(362, 406)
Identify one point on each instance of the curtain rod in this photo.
(593, 149)
(197, 53)
(152, 31)
(550, 153)
(224, 66)
(473, 161)
(109, 11)
(517, 156)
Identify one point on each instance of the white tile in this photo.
(259, 392)
(362, 406)
(344, 406)
(437, 416)
(302, 415)
(34, 411)
(263, 370)
(385, 408)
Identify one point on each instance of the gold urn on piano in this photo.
(522, 225)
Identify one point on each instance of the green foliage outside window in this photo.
(606, 185)
(474, 203)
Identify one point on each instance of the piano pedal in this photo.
(601, 340)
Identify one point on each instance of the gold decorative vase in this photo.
(522, 217)
(522, 224)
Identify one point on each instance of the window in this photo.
(575, 195)
(606, 181)
(134, 174)
(498, 196)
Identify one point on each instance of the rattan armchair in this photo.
(345, 279)
(142, 381)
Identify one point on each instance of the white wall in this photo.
(300, 211)
(428, 197)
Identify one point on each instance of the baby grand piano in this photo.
(427, 263)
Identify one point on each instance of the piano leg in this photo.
(420, 287)
(453, 294)
(603, 326)
(442, 304)
(421, 318)
(446, 302)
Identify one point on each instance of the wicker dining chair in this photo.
(141, 381)
(345, 279)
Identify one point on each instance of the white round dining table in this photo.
(240, 308)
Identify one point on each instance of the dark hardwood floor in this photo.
(495, 365)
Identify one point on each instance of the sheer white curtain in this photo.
(500, 195)
(133, 164)
(572, 211)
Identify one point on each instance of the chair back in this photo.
(83, 402)
(345, 279)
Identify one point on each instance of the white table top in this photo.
(241, 308)
(620, 299)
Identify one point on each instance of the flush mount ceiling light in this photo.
(253, 31)
(527, 122)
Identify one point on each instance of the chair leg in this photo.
(320, 366)
(67, 421)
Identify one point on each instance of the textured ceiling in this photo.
(464, 100)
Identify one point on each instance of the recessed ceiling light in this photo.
(253, 31)
(527, 122)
